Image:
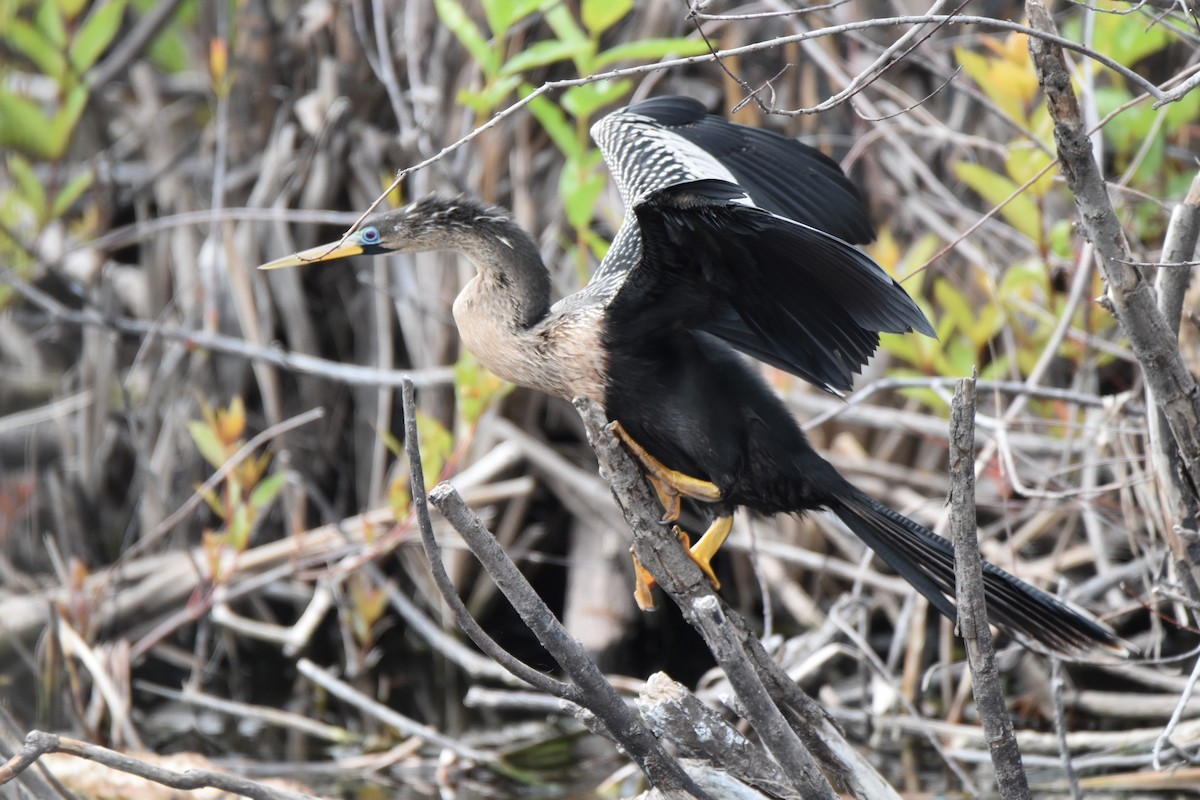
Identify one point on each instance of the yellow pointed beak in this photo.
(315, 255)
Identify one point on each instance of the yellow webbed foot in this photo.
(705, 549)
(668, 483)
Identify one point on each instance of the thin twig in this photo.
(972, 610)
(38, 744)
(1177, 715)
(441, 579)
(402, 724)
(591, 689)
(1060, 726)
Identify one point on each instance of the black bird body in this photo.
(700, 409)
(735, 239)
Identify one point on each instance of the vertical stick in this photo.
(972, 610)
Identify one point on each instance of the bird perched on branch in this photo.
(735, 239)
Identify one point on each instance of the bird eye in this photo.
(370, 235)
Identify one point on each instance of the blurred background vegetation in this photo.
(155, 151)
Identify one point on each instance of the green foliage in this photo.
(1139, 137)
(60, 47)
(1021, 211)
(577, 41)
(168, 51)
(476, 391)
(242, 495)
(1024, 302)
(1022, 298)
(60, 42)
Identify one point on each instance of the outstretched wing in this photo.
(781, 175)
(782, 291)
(665, 141)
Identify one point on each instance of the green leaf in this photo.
(996, 78)
(650, 49)
(63, 125)
(503, 14)
(22, 125)
(476, 389)
(454, 16)
(49, 21)
(559, 18)
(267, 490)
(399, 497)
(1183, 112)
(960, 356)
(28, 184)
(548, 52)
(555, 123)
(954, 305)
(584, 100)
(207, 442)
(1026, 280)
(1122, 131)
(1023, 161)
(1127, 38)
(596, 243)
(1021, 212)
(238, 532)
(988, 323)
(73, 190)
(436, 446)
(392, 443)
(169, 53)
(600, 15)
(995, 370)
(33, 44)
(485, 100)
(96, 34)
(580, 185)
(1062, 234)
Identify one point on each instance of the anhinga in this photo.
(735, 239)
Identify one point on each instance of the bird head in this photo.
(432, 223)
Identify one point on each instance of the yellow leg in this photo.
(705, 549)
(668, 483)
(667, 497)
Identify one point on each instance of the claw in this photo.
(644, 583)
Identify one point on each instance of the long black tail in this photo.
(926, 560)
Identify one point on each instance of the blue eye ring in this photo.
(369, 235)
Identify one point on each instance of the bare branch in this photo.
(590, 690)
(972, 608)
(38, 744)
